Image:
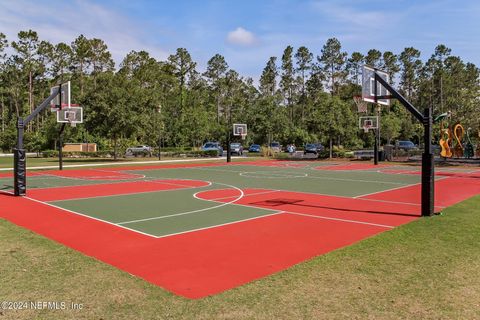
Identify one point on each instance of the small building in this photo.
(80, 147)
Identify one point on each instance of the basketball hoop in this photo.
(71, 117)
(362, 105)
(366, 128)
(243, 135)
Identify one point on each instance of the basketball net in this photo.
(362, 106)
(243, 135)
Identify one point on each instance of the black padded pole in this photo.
(428, 166)
(19, 163)
(60, 146)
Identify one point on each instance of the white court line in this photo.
(313, 216)
(90, 217)
(247, 195)
(411, 185)
(129, 193)
(221, 225)
(341, 220)
(376, 192)
(117, 163)
(190, 212)
(279, 190)
(311, 177)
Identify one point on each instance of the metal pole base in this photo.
(20, 172)
(428, 184)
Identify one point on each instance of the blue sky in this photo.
(248, 32)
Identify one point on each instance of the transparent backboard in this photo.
(65, 97)
(368, 123)
(368, 86)
(70, 115)
(239, 129)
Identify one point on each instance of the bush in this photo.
(50, 153)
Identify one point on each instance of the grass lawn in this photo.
(428, 269)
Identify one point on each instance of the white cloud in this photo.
(70, 19)
(241, 37)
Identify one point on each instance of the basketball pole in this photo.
(377, 130)
(428, 163)
(20, 159)
(229, 127)
(60, 146)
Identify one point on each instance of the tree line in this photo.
(301, 96)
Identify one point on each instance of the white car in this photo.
(137, 150)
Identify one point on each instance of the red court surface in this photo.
(206, 262)
(448, 191)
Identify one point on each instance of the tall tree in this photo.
(3, 46)
(333, 61)
(304, 60)
(390, 65)
(27, 57)
(287, 78)
(100, 58)
(373, 58)
(183, 66)
(216, 69)
(410, 67)
(354, 66)
(82, 58)
(268, 79)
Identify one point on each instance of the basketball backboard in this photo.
(71, 115)
(65, 94)
(368, 123)
(239, 129)
(368, 86)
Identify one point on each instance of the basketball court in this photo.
(197, 229)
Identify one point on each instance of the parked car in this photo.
(276, 147)
(254, 148)
(310, 148)
(212, 145)
(236, 148)
(406, 145)
(314, 148)
(140, 150)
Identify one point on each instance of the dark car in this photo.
(236, 148)
(314, 148)
(310, 148)
(208, 146)
(254, 148)
(405, 145)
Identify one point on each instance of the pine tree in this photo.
(333, 61)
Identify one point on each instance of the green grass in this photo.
(427, 269)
